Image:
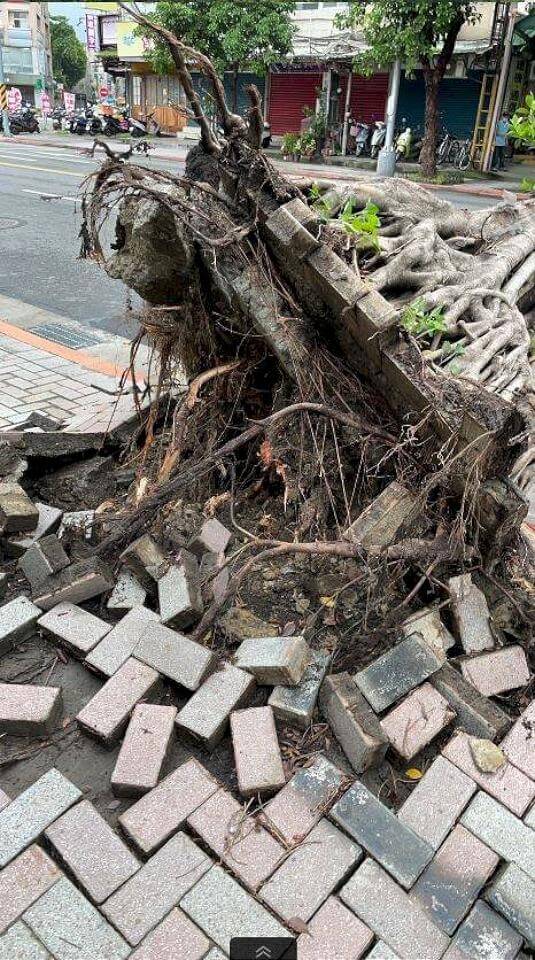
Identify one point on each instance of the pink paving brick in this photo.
(29, 709)
(334, 933)
(175, 938)
(417, 720)
(308, 796)
(23, 881)
(256, 751)
(240, 842)
(497, 672)
(160, 813)
(107, 714)
(508, 785)
(519, 744)
(143, 750)
(437, 801)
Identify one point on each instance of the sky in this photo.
(75, 13)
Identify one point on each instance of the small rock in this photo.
(487, 756)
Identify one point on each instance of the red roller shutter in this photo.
(368, 97)
(288, 94)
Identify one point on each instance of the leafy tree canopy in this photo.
(69, 58)
(522, 125)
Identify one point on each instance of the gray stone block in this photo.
(127, 593)
(106, 715)
(48, 522)
(179, 592)
(295, 705)
(484, 935)
(475, 714)
(214, 581)
(175, 656)
(80, 581)
(353, 722)
(143, 750)
(17, 512)
(397, 672)
(274, 660)
(19, 943)
(206, 714)
(119, 643)
(44, 557)
(73, 628)
(213, 536)
(71, 928)
(145, 559)
(501, 831)
(17, 622)
(513, 895)
(29, 710)
(400, 851)
(471, 614)
(29, 814)
(383, 521)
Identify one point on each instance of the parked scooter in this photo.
(144, 126)
(404, 141)
(361, 136)
(116, 124)
(23, 121)
(378, 138)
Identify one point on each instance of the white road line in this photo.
(55, 196)
(69, 158)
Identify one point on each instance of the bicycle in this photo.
(448, 149)
(468, 156)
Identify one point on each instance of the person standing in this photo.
(500, 141)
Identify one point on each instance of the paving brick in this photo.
(450, 884)
(205, 716)
(508, 785)
(298, 807)
(23, 881)
(497, 672)
(4, 799)
(382, 522)
(501, 831)
(513, 895)
(143, 750)
(78, 524)
(223, 909)
(437, 801)
(381, 951)
(334, 933)
(471, 614)
(353, 722)
(17, 512)
(417, 720)
(391, 914)
(44, 557)
(216, 954)
(484, 935)
(477, 715)
(29, 814)
(69, 926)
(73, 628)
(397, 672)
(107, 713)
(213, 536)
(119, 644)
(17, 622)
(239, 841)
(163, 811)
(127, 592)
(311, 873)
(175, 656)
(80, 581)
(145, 559)
(48, 522)
(145, 899)
(214, 581)
(274, 660)
(529, 819)
(401, 851)
(175, 938)
(19, 943)
(94, 854)
(179, 592)
(519, 744)
(295, 705)
(256, 751)
(26, 709)
(429, 627)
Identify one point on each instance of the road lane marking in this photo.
(44, 156)
(67, 173)
(53, 196)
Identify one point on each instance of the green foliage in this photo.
(365, 225)
(522, 125)
(69, 58)
(289, 144)
(419, 322)
(527, 185)
(306, 144)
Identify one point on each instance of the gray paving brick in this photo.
(484, 935)
(17, 622)
(437, 801)
(471, 614)
(513, 895)
(501, 831)
(353, 722)
(389, 912)
(212, 536)
(381, 951)
(145, 559)
(143, 750)
(401, 851)
(80, 581)
(179, 592)
(95, 855)
(475, 713)
(119, 644)
(450, 884)
(295, 705)
(274, 660)
(304, 800)
(44, 557)
(206, 714)
(23, 881)
(127, 592)
(108, 712)
(397, 672)
(17, 512)
(29, 814)
(73, 628)
(71, 928)
(19, 943)
(175, 656)
(220, 907)
(175, 938)
(145, 899)
(26, 709)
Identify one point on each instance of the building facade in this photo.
(26, 48)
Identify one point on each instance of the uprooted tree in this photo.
(338, 338)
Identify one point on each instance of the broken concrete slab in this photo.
(143, 750)
(417, 720)
(80, 581)
(145, 559)
(295, 705)
(429, 627)
(42, 559)
(206, 714)
(256, 751)
(353, 722)
(52, 445)
(17, 512)
(398, 671)
(496, 672)
(179, 592)
(213, 536)
(389, 517)
(73, 628)
(17, 622)
(477, 715)
(471, 614)
(127, 592)
(120, 642)
(274, 660)
(107, 713)
(26, 709)
(12, 464)
(175, 656)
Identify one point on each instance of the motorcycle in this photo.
(144, 126)
(78, 123)
(115, 125)
(361, 136)
(404, 142)
(378, 138)
(23, 121)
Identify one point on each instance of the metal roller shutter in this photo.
(458, 100)
(368, 96)
(289, 93)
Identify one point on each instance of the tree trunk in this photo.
(429, 148)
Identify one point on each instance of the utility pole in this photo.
(486, 162)
(3, 93)
(347, 113)
(386, 161)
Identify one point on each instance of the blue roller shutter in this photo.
(458, 101)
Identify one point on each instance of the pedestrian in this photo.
(500, 141)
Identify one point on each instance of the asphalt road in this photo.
(40, 189)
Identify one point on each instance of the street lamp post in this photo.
(386, 161)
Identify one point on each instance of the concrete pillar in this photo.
(386, 161)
